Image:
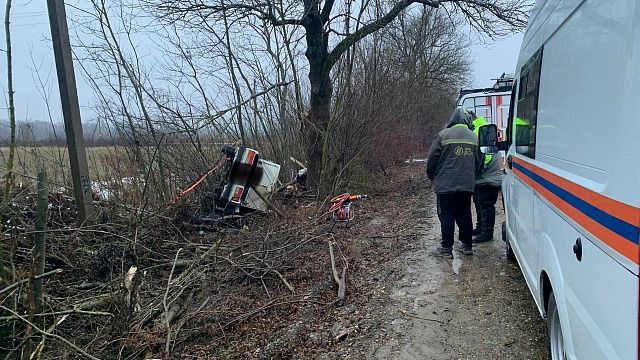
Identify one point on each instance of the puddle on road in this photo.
(456, 264)
(457, 312)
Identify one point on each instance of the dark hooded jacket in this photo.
(454, 158)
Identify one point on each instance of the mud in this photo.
(471, 307)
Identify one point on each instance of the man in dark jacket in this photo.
(453, 163)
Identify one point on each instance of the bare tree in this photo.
(12, 122)
(321, 22)
(398, 92)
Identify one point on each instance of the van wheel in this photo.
(510, 255)
(556, 339)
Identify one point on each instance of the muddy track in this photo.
(471, 307)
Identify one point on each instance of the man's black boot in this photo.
(465, 249)
(482, 238)
(442, 252)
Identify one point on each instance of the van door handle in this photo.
(577, 249)
(510, 161)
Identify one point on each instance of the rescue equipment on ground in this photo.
(342, 206)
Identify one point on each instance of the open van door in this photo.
(507, 182)
(517, 189)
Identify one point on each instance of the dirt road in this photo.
(471, 307)
(400, 302)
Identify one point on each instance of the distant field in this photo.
(104, 163)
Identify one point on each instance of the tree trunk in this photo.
(39, 252)
(315, 134)
(316, 125)
(12, 124)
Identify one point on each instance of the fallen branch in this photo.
(18, 283)
(270, 304)
(190, 265)
(298, 162)
(284, 280)
(341, 281)
(62, 312)
(193, 314)
(37, 354)
(148, 319)
(98, 301)
(166, 306)
(284, 186)
(270, 269)
(269, 203)
(57, 337)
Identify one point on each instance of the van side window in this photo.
(510, 117)
(522, 93)
(526, 119)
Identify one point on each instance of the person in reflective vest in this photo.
(485, 194)
(452, 165)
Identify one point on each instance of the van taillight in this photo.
(237, 195)
(251, 157)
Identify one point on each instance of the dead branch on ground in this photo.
(340, 281)
(55, 336)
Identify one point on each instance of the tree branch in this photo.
(372, 27)
(263, 11)
(493, 18)
(326, 10)
(55, 336)
(18, 283)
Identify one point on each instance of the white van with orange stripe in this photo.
(572, 189)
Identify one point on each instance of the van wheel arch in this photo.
(547, 289)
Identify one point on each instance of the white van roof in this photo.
(546, 18)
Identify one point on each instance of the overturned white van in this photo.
(572, 190)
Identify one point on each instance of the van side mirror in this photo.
(488, 139)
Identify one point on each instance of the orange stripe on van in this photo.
(622, 211)
(623, 246)
(618, 243)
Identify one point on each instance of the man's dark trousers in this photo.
(455, 208)
(485, 197)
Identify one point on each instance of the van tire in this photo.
(556, 345)
(509, 252)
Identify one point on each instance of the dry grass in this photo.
(104, 162)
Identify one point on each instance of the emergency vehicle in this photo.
(572, 188)
(491, 103)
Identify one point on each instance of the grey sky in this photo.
(491, 60)
(30, 34)
(29, 29)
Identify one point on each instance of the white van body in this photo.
(578, 176)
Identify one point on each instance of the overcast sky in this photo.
(30, 33)
(491, 60)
